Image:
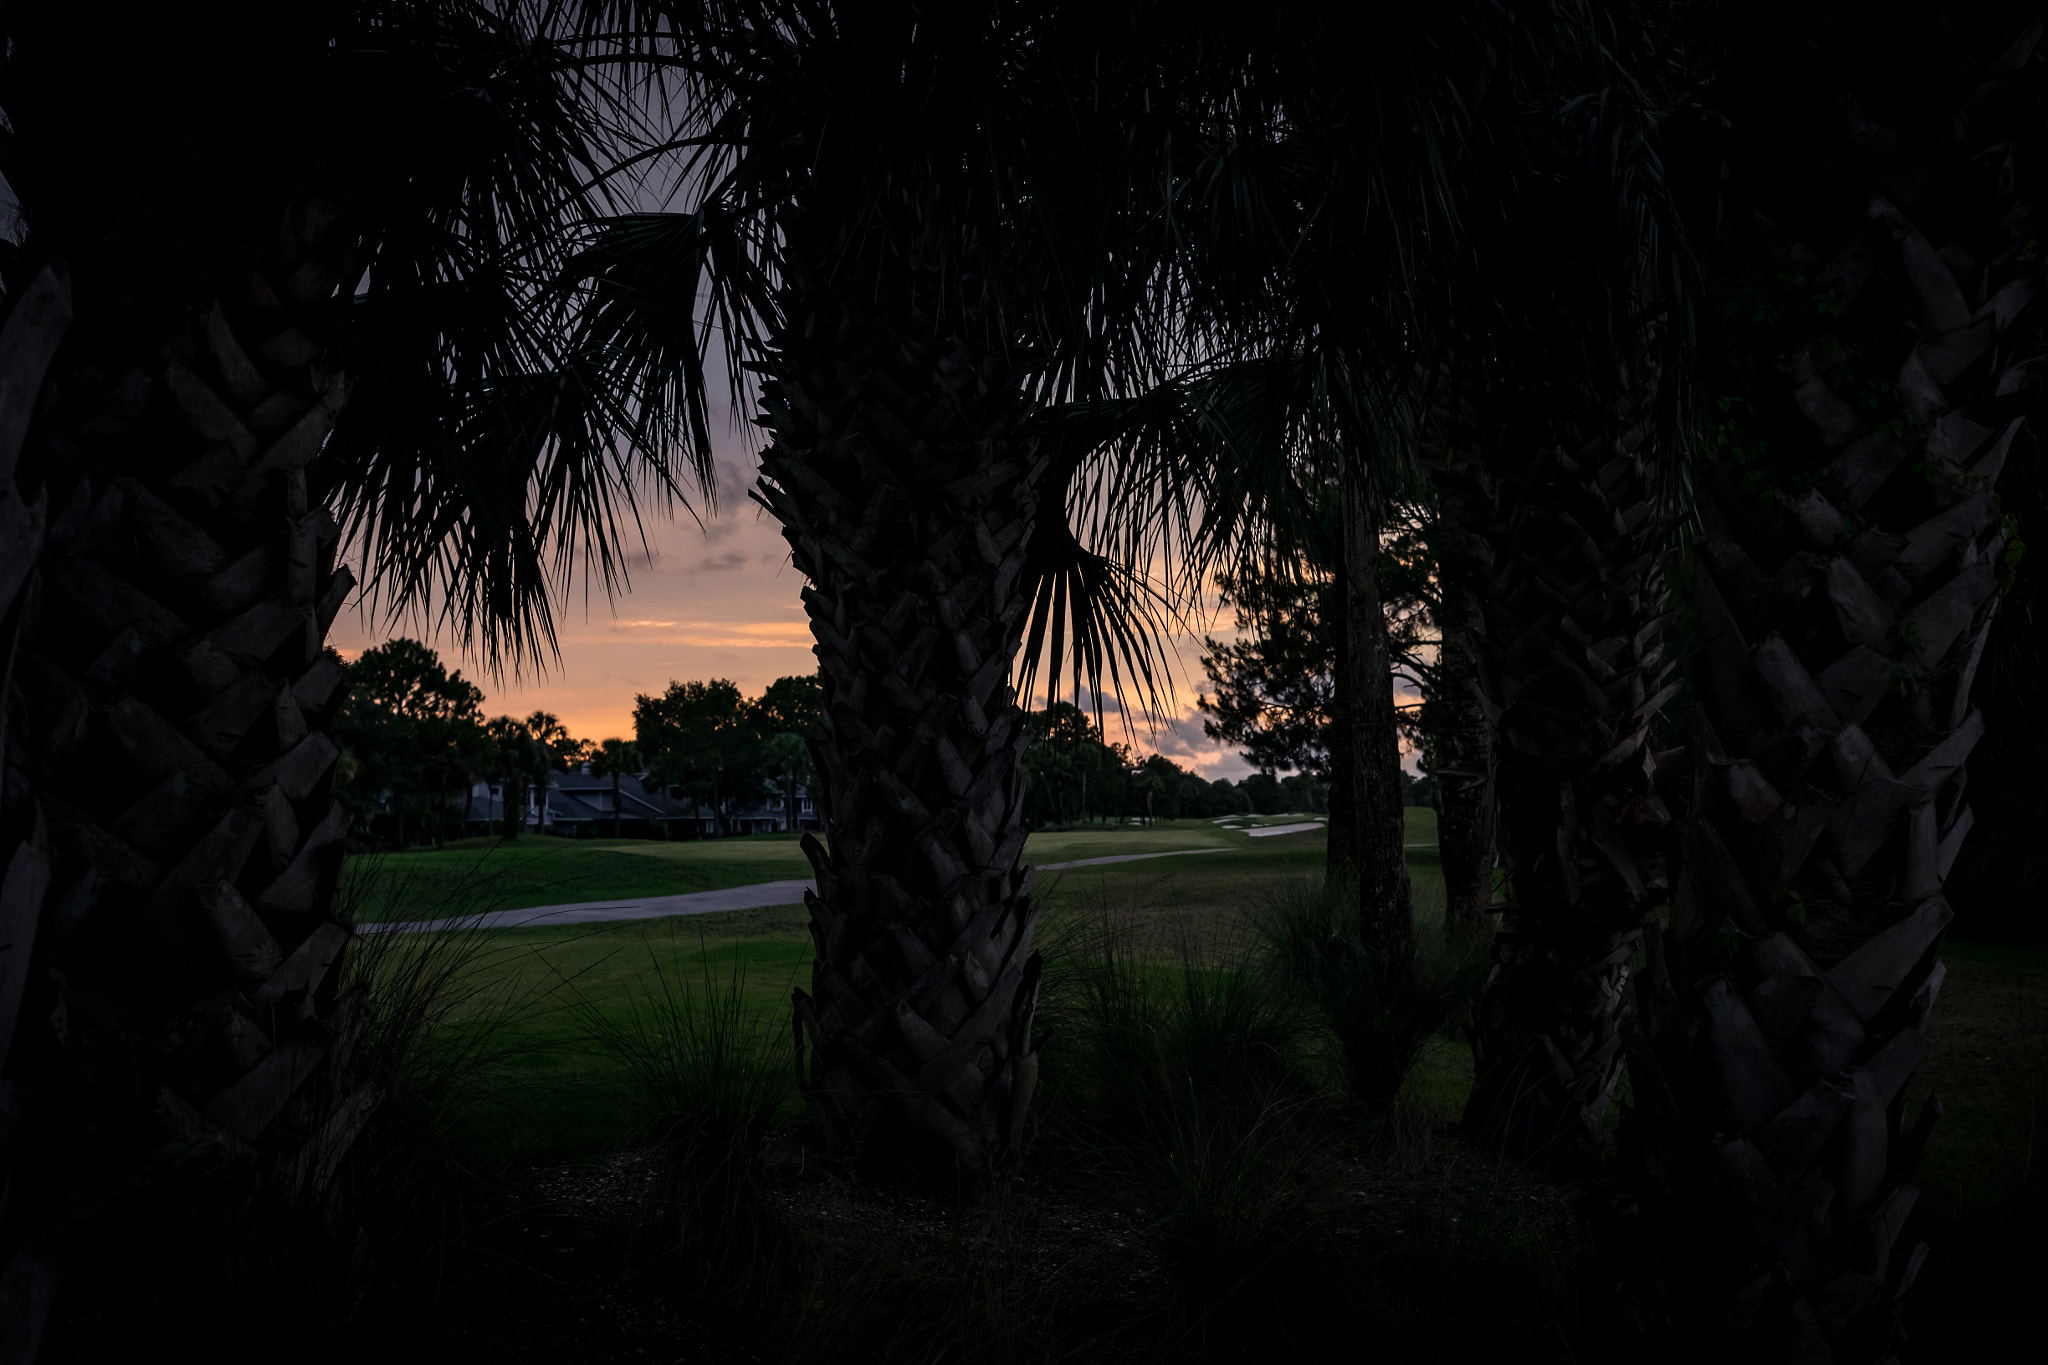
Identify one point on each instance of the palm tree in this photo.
(1314, 406)
(305, 279)
(615, 758)
(916, 293)
(911, 285)
(554, 750)
(512, 756)
(1875, 367)
(1574, 673)
(1354, 332)
(1461, 733)
(1551, 408)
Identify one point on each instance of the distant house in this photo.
(580, 803)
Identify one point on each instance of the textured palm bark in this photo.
(1371, 747)
(1464, 772)
(1575, 677)
(906, 484)
(1786, 1006)
(1340, 841)
(32, 329)
(168, 770)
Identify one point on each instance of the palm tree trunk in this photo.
(1575, 678)
(1340, 857)
(904, 478)
(29, 338)
(1465, 763)
(1372, 738)
(172, 835)
(1841, 622)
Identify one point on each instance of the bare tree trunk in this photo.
(1366, 686)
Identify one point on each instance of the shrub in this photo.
(1377, 1010)
(1191, 1091)
(710, 1080)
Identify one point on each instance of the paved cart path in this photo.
(753, 897)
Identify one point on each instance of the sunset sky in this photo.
(717, 602)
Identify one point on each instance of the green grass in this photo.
(470, 875)
(556, 1096)
(1988, 1061)
(553, 1093)
(494, 874)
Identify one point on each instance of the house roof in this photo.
(583, 797)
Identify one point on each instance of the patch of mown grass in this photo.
(554, 1095)
(1985, 1174)
(536, 870)
(560, 1093)
(533, 870)
(1202, 1187)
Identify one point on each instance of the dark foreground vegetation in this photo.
(570, 1164)
(1656, 387)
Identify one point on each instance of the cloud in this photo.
(736, 476)
(725, 563)
(1181, 739)
(719, 634)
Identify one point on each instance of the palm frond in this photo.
(1094, 622)
(493, 448)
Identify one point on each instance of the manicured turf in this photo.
(550, 1093)
(472, 875)
(1989, 1064)
(547, 1089)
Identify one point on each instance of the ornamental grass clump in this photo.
(1192, 1091)
(1377, 1008)
(708, 1077)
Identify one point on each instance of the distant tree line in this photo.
(414, 738)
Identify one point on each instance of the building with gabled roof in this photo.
(580, 804)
